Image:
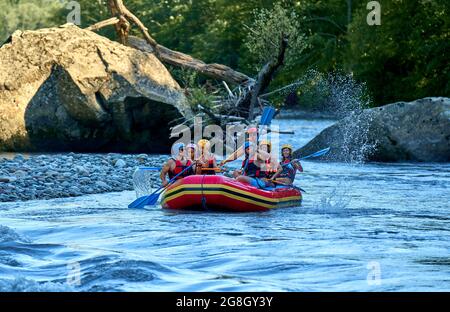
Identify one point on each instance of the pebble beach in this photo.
(28, 177)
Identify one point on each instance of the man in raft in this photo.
(251, 136)
(257, 167)
(176, 164)
(206, 159)
(287, 168)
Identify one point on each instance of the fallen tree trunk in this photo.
(265, 76)
(175, 58)
(244, 104)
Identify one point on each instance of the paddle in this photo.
(150, 168)
(316, 154)
(290, 185)
(267, 116)
(151, 199)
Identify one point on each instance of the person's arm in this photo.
(279, 171)
(263, 155)
(164, 171)
(297, 165)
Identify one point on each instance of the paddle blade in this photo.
(139, 203)
(152, 200)
(150, 168)
(267, 115)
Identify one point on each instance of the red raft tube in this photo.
(200, 192)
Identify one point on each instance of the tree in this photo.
(28, 14)
(407, 56)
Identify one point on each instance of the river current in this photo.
(361, 227)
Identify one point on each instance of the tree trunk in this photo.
(265, 76)
(175, 58)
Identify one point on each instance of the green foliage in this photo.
(269, 26)
(28, 14)
(196, 93)
(403, 59)
(407, 56)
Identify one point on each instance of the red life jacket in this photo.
(179, 167)
(210, 165)
(250, 169)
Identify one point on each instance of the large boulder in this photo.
(67, 88)
(414, 131)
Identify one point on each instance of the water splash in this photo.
(340, 94)
(337, 199)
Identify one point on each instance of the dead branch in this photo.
(108, 22)
(250, 98)
(175, 58)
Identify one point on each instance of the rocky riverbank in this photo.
(67, 175)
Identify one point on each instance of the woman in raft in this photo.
(206, 159)
(256, 167)
(192, 152)
(176, 164)
(287, 168)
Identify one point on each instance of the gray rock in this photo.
(142, 158)
(84, 180)
(414, 131)
(20, 174)
(7, 179)
(81, 170)
(120, 163)
(102, 185)
(65, 184)
(76, 90)
(19, 157)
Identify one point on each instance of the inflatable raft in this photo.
(201, 192)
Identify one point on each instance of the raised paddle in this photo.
(152, 199)
(267, 116)
(316, 154)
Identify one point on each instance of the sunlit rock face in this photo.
(413, 131)
(67, 88)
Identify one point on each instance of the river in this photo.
(361, 227)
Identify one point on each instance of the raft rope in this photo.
(203, 196)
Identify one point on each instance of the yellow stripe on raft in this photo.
(275, 200)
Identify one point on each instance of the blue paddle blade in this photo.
(152, 200)
(139, 203)
(143, 201)
(150, 168)
(267, 115)
(270, 117)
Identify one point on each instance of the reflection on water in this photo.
(365, 227)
